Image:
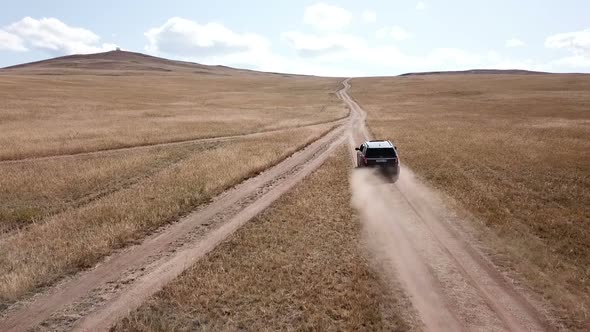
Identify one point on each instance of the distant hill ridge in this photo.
(106, 60)
(120, 61)
(479, 71)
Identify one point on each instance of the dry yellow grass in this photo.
(297, 266)
(85, 111)
(34, 190)
(64, 214)
(80, 236)
(514, 150)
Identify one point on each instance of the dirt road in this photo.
(94, 300)
(452, 286)
(102, 153)
(430, 251)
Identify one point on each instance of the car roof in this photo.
(379, 144)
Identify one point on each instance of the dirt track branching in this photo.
(79, 237)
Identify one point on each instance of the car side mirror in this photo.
(357, 149)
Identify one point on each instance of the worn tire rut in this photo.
(96, 299)
(409, 229)
(424, 245)
(102, 152)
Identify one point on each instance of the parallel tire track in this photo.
(96, 299)
(451, 283)
(109, 189)
(101, 152)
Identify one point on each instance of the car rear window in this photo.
(380, 153)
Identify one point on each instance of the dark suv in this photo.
(381, 154)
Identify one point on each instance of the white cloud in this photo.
(514, 42)
(369, 16)
(327, 53)
(179, 36)
(577, 41)
(437, 59)
(350, 55)
(314, 45)
(421, 5)
(215, 44)
(397, 33)
(574, 62)
(348, 49)
(338, 54)
(326, 17)
(272, 62)
(54, 36)
(11, 42)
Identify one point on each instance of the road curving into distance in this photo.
(450, 283)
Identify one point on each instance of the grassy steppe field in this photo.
(62, 110)
(514, 150)
(78, 236)
(64, 214)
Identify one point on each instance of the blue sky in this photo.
(339, 37)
